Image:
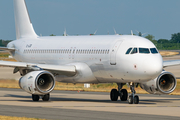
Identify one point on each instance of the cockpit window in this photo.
(134, 51)
(144, 50)
(153, 50)
(129, 50)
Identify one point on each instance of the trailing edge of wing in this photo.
(171, 63)
(7, 49)
(68, 70)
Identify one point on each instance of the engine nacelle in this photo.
(165, 83)
(37, 82)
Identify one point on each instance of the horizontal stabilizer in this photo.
(7, 49)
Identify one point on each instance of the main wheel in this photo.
(130, 100)
(35, 97)
(114, 95)
(124, 95)
(46, 97)
(136, 99)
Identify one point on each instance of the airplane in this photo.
(121, 59)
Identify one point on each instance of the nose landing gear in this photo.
(133, 98)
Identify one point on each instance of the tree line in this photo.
(165, 44)
(3, 43)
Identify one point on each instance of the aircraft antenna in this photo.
(132, 32)
(95, 32)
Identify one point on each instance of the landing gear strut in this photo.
(133, 98)
(121, 92)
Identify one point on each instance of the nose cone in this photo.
(153, 66)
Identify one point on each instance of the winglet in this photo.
(24, 28)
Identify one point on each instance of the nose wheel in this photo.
(133, 98)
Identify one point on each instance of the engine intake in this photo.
(37, 82)
(165, 83)
(44, 82)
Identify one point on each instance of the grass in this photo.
(4, 54)
(18, 118)
(168, 53)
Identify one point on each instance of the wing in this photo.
(68, 70)
(171, 63)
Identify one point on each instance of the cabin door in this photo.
(114, 51)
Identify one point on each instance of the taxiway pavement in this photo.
(73, 105)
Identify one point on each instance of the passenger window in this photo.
(144, 50)
(134, 51)
(128, 51)
(153, 50)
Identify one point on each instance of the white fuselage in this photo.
(105, 55)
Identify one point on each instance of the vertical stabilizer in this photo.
(24, 28)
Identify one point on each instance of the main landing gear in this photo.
(121, 92)
(44, 97)
(124, 94)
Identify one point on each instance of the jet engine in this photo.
(165, 83)
(37, 82)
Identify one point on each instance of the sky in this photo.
(160, 18)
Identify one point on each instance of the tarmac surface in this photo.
(73, 105)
